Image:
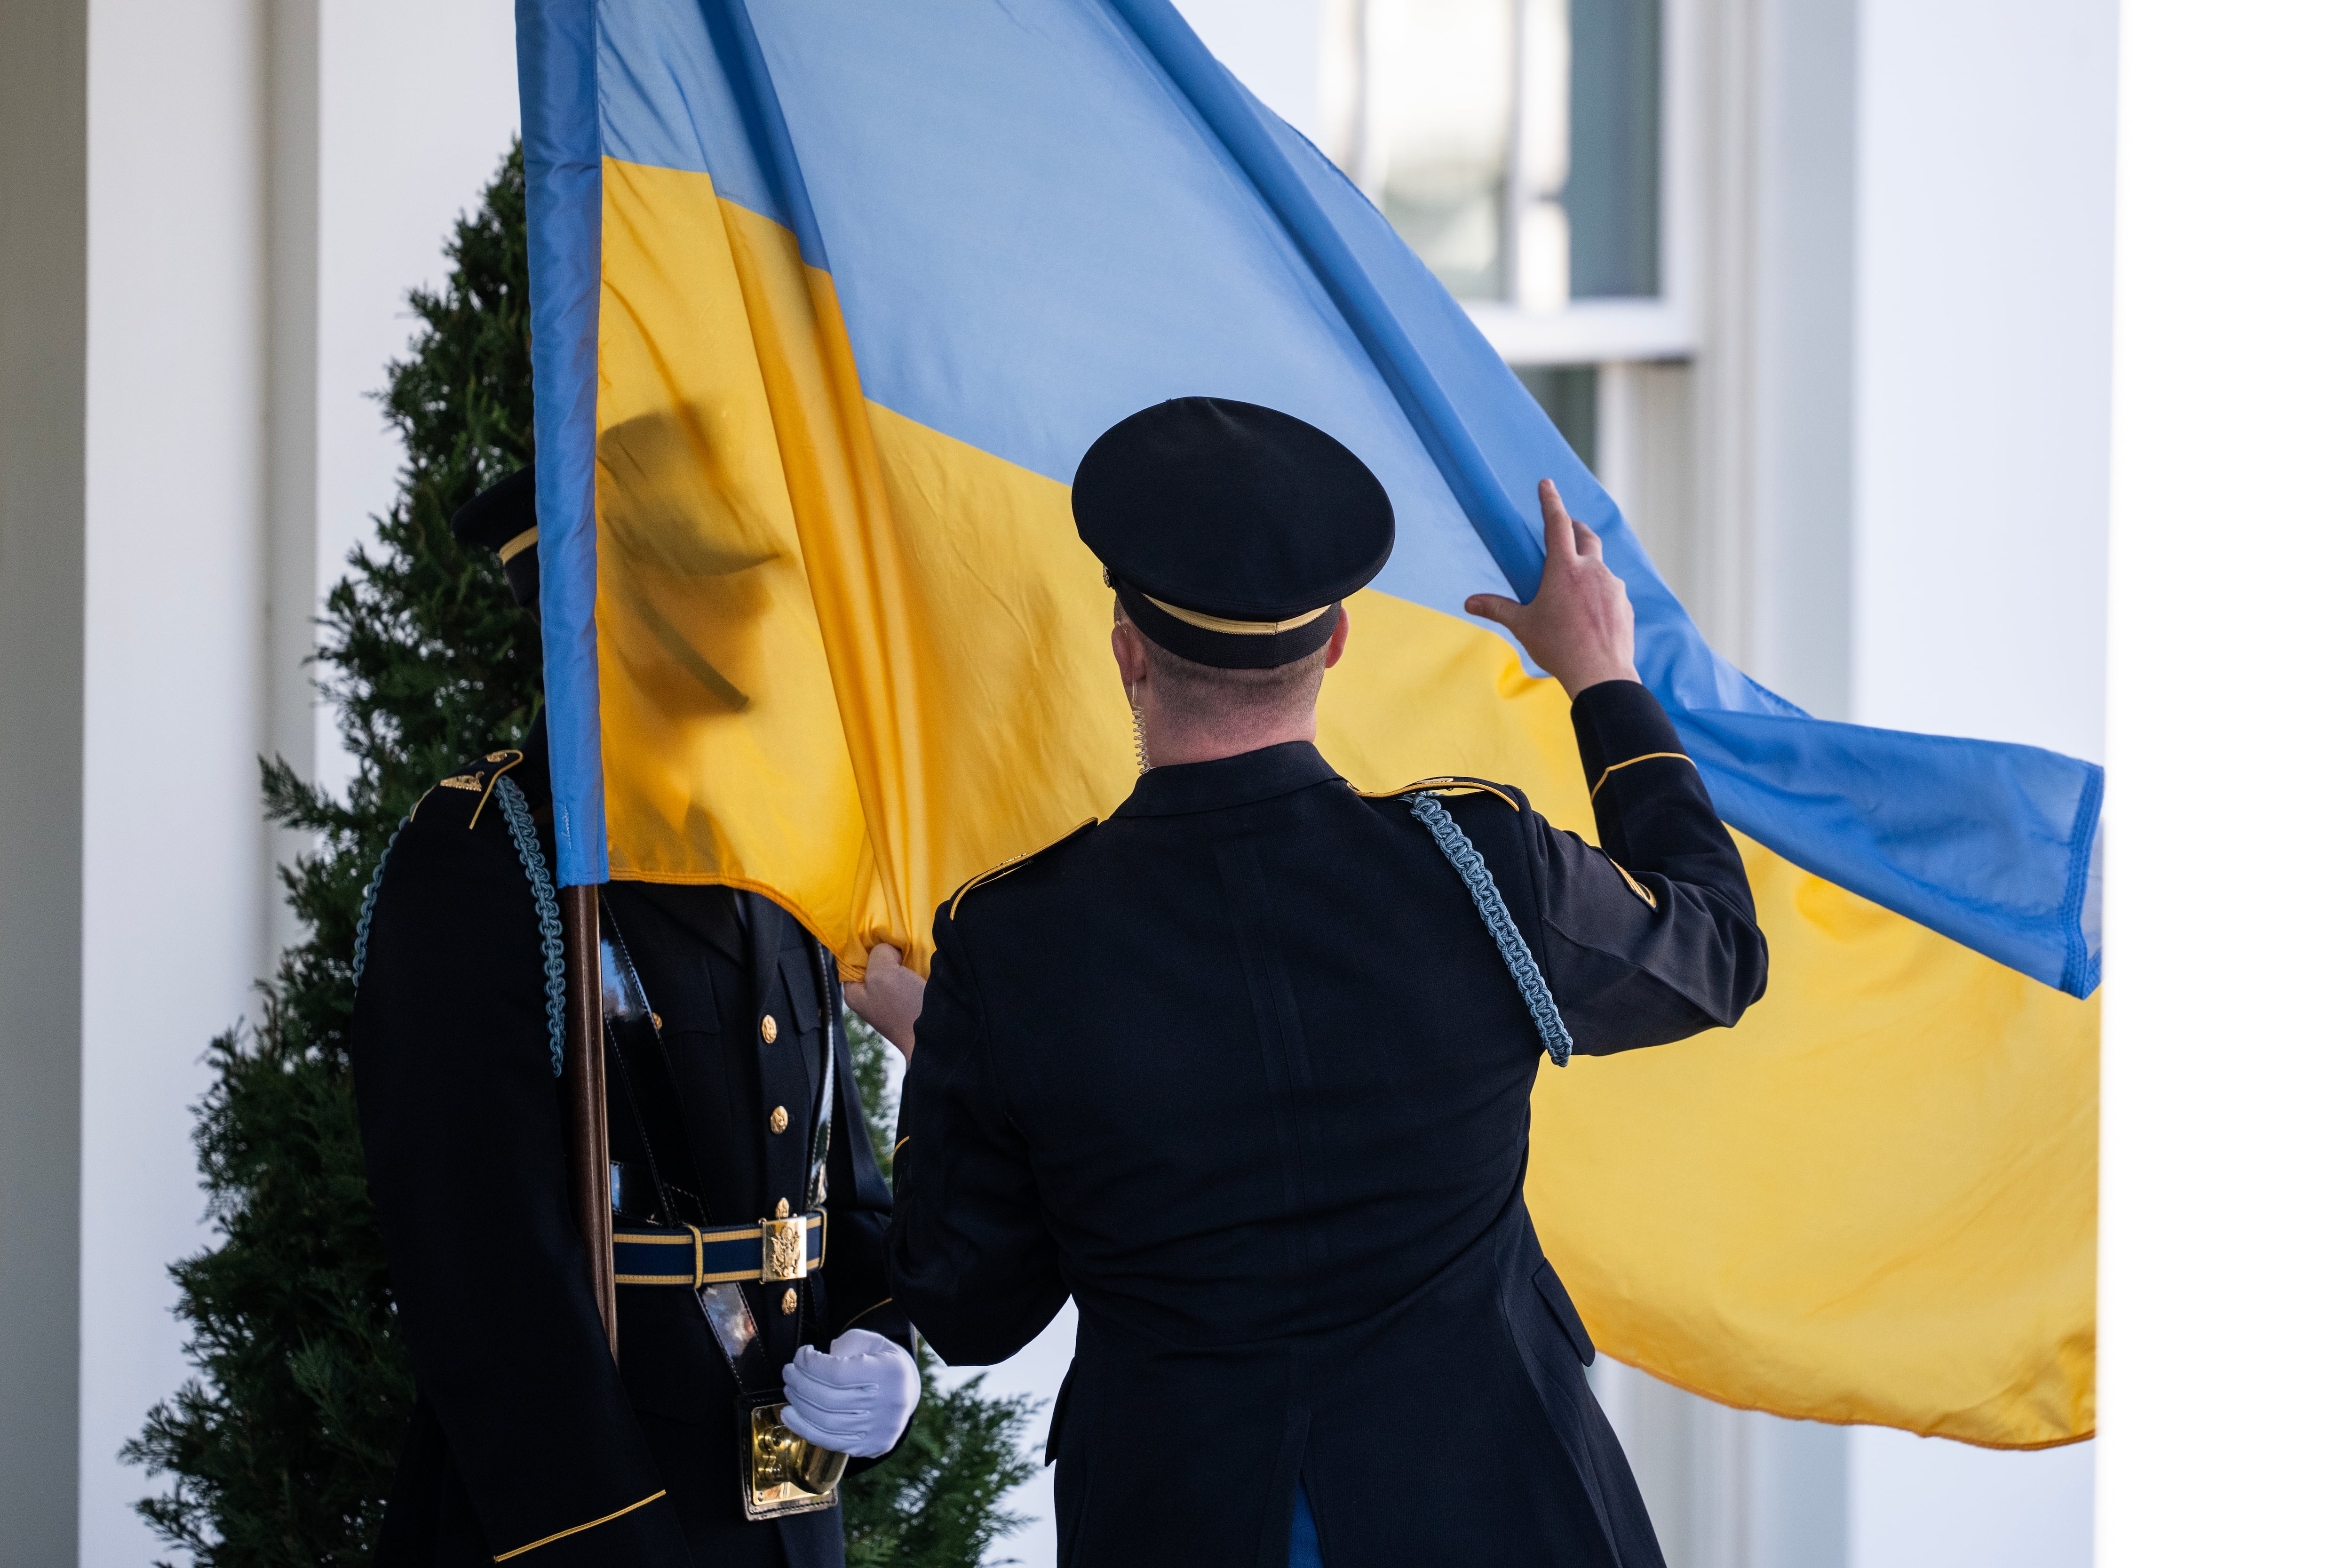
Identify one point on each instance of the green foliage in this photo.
(281, 1451)
(937, 1501)
(283, 1447)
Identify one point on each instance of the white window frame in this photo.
(1527, 328)
(1526, 331)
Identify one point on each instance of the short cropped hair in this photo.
(1202, 693)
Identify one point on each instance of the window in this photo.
(1437, 148)
(1615, 82)
(1539, 156)
(1571, 394)
(1530, 151)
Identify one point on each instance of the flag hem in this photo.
(564, 186)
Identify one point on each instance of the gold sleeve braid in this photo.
(1644, 757)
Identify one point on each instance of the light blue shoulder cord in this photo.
(542, 896)
(367, 904)
(1472, 866)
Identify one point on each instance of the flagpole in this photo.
(590, 1176)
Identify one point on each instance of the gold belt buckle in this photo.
(785, 1253)
(784, 1249)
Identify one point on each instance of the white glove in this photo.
(854, 1399)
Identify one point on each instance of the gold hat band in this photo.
(517, 544)
(1237, 629)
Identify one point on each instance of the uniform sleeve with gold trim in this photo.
(1651, 936)
(460, 1117)
(980, 1275)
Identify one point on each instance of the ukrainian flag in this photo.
(829, 297)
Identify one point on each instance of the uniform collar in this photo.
(1238, 780)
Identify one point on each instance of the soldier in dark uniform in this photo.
(1245, 1068)
(731, 1100)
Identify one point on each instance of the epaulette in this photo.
(1006, 868)
(477, 780)
(1443, 783)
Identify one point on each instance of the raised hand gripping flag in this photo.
(829, 297)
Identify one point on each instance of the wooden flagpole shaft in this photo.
(583, 1099)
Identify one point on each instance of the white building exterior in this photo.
(210, 214)
(1862, 420)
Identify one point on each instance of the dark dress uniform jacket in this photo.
(527, 1444)
(1242, 1071)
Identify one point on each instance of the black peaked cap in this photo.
(1231, 531)
(498, 518)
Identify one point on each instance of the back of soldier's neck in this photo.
(1210, 744)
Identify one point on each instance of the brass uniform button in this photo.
(768, 1028)
(658, 1020)
(784, 1208)
(779, 1119)
(792, 1303)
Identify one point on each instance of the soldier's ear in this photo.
(1338, 643)
(1127, 647)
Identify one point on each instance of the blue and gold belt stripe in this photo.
(769, 1251)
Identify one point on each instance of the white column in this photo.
(1800, 318)
(266, 181)
(174, 909)
(2225, 1370)
(417, 103)
(175, 685)
(1725, 1488)
(290, 154)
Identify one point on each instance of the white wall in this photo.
(1983, 298)
(173, 910)
(1037, 1372)
(418, 104)
(1272, 44)
(2224, 1368)
(1921, 1503)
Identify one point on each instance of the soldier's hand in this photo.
(1580, 625)
(854, 1399)
(891, 997)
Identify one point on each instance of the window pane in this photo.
(1571, 394)
(1615, 59)
(1441, 103)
